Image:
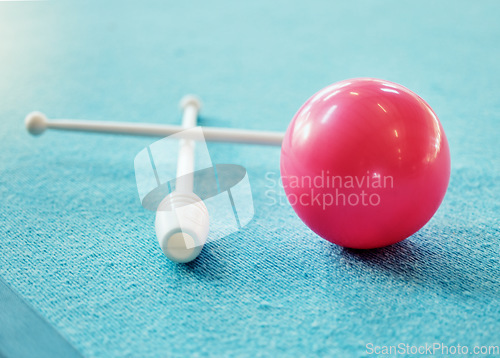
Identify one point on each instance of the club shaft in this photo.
(211, 134)
(185, 162)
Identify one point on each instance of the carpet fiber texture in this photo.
(77, 245)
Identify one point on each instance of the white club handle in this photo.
(185, 163)
(37, 123)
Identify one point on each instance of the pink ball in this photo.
(365, 163)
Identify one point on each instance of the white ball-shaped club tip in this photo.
(36, 123)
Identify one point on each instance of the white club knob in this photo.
(36, 123)
(182, 226)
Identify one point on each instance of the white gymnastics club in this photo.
(37, 123)
(182, 219)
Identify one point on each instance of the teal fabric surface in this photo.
(77, 245)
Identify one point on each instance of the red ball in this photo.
(365, 163)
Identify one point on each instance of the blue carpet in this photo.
(79, 248)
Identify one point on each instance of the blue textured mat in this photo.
(77, 245)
